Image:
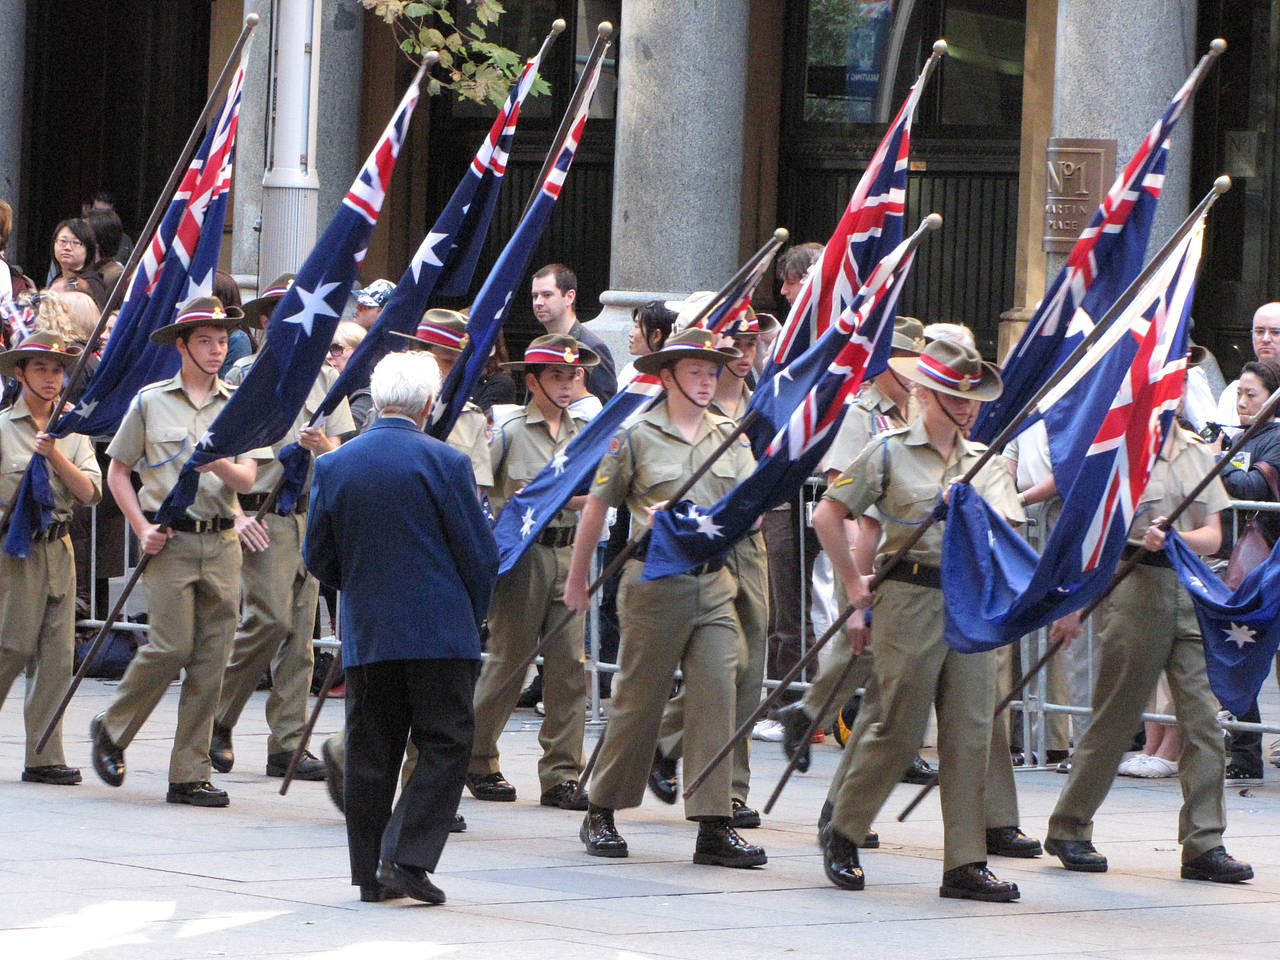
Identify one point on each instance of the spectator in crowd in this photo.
(555, 304)
(370, 300)
(75, 250)
(104, 201)
(239, 343)
(346, 337)
(495, 385)
(108, 232)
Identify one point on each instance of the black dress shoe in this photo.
(1078, 855)
(310, 767)
(221, 755)
(919, 772)
(491, 786)
(744, 817)
(407, 881)
(720, 846)
(108, 759)
(824, 818)
(600, 835)
(795, 729)
(871, 841)
(1011, 842)
(376, 893)
(562, 796)
(58, 774)
(662, 778)
(459, 824)
(974, 881)
(333, 778)
(531, 694)
(840, 861)
(1054, 757)
(1217, 866)
(197, 793)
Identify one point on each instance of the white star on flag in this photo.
(426, 255)
(1239, 634)
(706, 525)
(526, 522)
(558, 462)
(313, 305)
(199, 286)
(85, 409)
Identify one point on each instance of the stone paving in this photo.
(98, 873)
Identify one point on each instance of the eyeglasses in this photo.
(68, 242)
(337, 349)
(1264, 332)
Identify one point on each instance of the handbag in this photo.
(1253, 546)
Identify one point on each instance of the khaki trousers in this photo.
(38, 634)
(916, 669)
(193, 585)
(528, 603)
(687, 621)
(749, 564)
(280, 600)
(1148, 625)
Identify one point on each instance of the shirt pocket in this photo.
(164, 444)
(655, 482)
(908, 503)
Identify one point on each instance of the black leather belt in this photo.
(55, 531)
(921, 574)
(188, 525)
(252, 503)
(557, 536)
(1147, 558)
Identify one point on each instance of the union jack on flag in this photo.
(870, 228)
(1106, 421)
(1101, 265)
(267, 401)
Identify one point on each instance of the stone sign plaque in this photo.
(1080, 171)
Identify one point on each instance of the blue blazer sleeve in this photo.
(320, 548)
(470, 540)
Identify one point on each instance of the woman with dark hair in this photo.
(495, 385)
(108, 231)
(239, 343)
(1251, 476)
(651, 324)
(75, 251)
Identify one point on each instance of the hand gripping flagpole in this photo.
(1220, 186)
(76, 372)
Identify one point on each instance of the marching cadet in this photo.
(749, 566)
(280, 596)
(902, 473)
(686, 620)
(38, 592)
(1148, 626)
(193, 578)
(527, 601)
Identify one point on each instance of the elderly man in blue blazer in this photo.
(396, 527)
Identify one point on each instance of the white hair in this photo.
(956, 332)
(405, 383)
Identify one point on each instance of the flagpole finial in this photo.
(1217, 46)
(933, 221)
(1222, 185)
(557, 26)
(781, 234)
(252, 20)
(605, 30)
(939, 48)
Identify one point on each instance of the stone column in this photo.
(1117, 67)
(251, 153)
(677, 177)
(13, 14)
(338, 156)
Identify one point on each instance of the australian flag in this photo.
(446, 259)
(1240, 629)
(178, 264)
(302, 324)
(1101, 265)
(870, 229)
(800, 410)
(1106, 423)
(491, 303)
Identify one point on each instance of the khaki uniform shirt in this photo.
(18, 445)
(521, 446)
(870, 413)
(902, 474)
(1184, 461)
(470, 435)
(649, 461)
(335, 425)
(157, 436)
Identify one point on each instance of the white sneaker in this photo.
(1157, 768)
(768, 730)
(1130, 766)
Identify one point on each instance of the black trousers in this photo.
(389, 703)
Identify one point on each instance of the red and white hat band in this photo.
(441, 335)
(548, 354)
(191, 315)
(935, 369)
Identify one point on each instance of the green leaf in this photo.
(433, 87)
(488, 11)
(417, 9)
(446, 58)
(477, 31)
(434, 37)
(445, 16)
(540, 87)
(453, 41)
(408, 46)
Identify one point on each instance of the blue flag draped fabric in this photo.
(1101, 265)
(869, 229)
(800, 410)
(301, 328)
(491, 303)
(446, 259)
(1240, 630)
(1106, 422)
(178, 264)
